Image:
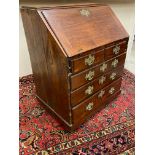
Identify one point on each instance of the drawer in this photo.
(115, 50)
(86, 108)
(89, 89)
(97, 57)
(89, 75)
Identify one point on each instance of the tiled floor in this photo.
(130, 60)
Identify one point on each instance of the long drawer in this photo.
(87, 90)
(96, 57)
(86, 108)
(86, 76)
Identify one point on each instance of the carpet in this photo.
(108, 132)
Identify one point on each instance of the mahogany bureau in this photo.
(77, 54)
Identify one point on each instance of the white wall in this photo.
(123, 9)
(24, 60)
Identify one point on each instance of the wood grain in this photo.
(80, 112)
(78, 34)
(79, 80)
(100, 55)
(80, 94)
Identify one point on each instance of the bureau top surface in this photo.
(82, 28)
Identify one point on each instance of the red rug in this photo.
(109, 132)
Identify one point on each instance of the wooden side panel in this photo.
(49, 65)
(35, 47)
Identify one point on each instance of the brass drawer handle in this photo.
(89, 90)
(114, 63)
(113, 76)
(103, 67)
(116, 49)
(101, 93)
(111, 91)
(90, 106)
(90, 75)
(90, 60)
(102, 79)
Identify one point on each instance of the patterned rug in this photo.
(109, 132)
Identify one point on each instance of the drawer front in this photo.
(86, 108)
(89, 89)
(94, 58)
(115, 50)
(89, 75)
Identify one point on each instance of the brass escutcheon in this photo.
(90, 75)
(114, 63)
(90, 60)
(103, 67)
(85, 12)
(90, 106)
(101, 93)
(89, 90)
(102, 79)
(111, 91)
(113, 76)
(116, 49)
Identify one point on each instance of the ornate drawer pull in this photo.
(90, 106)
(101, 93)
(89, 90)
(116, 49)
(103, 67)
(90, 60)
(90, 75)
(111, 91)
(114, 63)
(113, 76)
(102, 79)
